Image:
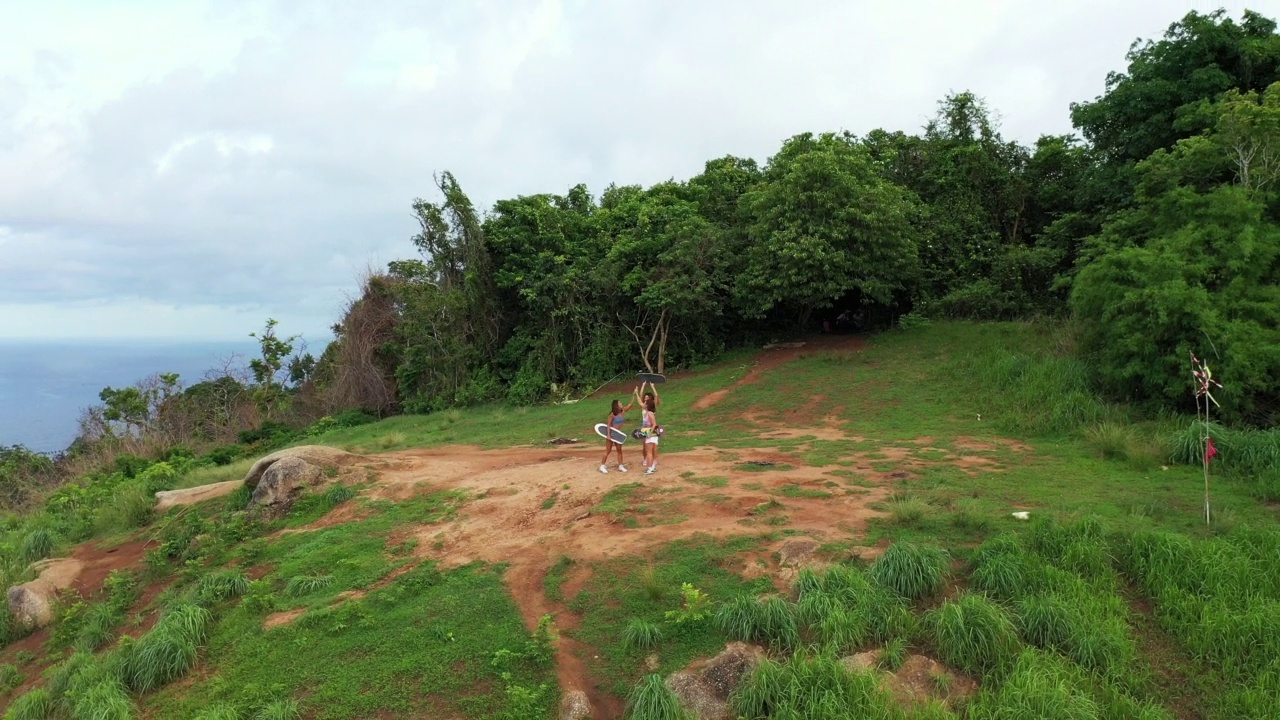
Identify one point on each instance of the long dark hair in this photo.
(649, 404)
(616, 408)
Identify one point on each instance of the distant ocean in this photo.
(44, 385)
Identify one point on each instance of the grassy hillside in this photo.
(842, 497)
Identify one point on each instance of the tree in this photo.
(267, 367)
(1194, 262)
(1153, 104)
(825, 224)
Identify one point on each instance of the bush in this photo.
(912, 571)
(974, 635)
(130, 465)
(224, 455)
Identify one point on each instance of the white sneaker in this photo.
(622, 468)
(650, 470)
(604, 469)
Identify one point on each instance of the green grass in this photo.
(640, 634)
(912, 571)
(811, 686)
(974, 634)
(791, 490)
(651, 699)
(621, 591)
(10, 679)
(553, 581)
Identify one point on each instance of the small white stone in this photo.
(1023, 515)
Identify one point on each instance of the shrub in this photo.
(1003, 568)
(912, 571)
(1110, 439)
(974, 635)
(640, 635)
(106, 700)
(651, 699)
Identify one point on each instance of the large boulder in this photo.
(284, 479)
(317, 455)
(704, 687)
(31, 604)
(166, 499)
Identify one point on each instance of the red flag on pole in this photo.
(1211, 451)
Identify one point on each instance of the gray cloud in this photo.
(270, 150)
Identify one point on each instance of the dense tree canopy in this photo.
(1157, 228)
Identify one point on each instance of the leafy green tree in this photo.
(1194, 263)
(1153, 104)
(824, 224)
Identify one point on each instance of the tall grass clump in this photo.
(640, 635)
(912, 571)
(811, 686)
(974, 635)
(1034, 394)
(771, 621)
(884, 613)
(131, 507)
(35, 705)
(1003, 568)
(307, 584)
(10, 679)
(219, 712)
(169, 650)
(1242, 451)
(1039, 686)
(651, 699)
(214, 587)
(908, 510)
(37, 544)
(279, 710)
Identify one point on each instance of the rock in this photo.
(166, 499)
(726, 671)
(575, 706)
(285, 478)
(317, 455)
(861, 661)
(1023, 515)
(31, 604)
(696, 697)
(704, 686)
(795, 553)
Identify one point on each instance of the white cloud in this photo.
(206, 164)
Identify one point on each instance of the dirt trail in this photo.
(532, 505)
(781, 355)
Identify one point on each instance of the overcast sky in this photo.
(187, 169)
